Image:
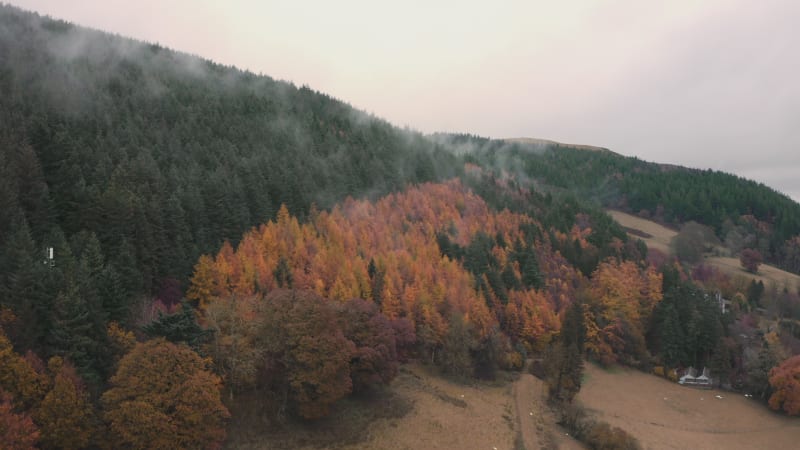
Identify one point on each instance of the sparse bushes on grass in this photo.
(603, 436)
(670, 374)
(597, 435)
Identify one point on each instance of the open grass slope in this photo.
(536, 421)
(446, 415)
(770, 275)
(657, 236)
(665, 415)
(419, 411)
(653, 234)
(480, 415)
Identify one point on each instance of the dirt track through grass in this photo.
(536, 423)
(422, 410)
(529, 413)
(425, 411)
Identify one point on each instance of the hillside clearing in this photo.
(665, 415)
(422, 410)
(446, 415)
(768, 274)
(654, 235)
(658, 237)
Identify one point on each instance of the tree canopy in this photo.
(164, 395)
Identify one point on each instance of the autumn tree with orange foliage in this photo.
(785, 382)
(164, 396)
(374, 360)
(421, 258)
(203, 287)
(387, 251)
(622, 300)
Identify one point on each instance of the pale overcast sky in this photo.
(708, 84)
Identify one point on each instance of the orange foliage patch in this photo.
(331, 255)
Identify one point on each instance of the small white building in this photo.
(690, 378)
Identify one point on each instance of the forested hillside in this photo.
(746, 213)
(178, 238)
(162, 155)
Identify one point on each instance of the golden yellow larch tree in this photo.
(66, 416)
(203, 287)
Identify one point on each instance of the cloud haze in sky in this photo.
(708, 84)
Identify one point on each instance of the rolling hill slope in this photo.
(659, 237)
(668, 193)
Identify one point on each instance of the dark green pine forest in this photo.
(159, 156)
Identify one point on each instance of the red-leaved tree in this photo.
(785, 382)
(375, 358)
(750, 260)
(17, 430)
(310, 355)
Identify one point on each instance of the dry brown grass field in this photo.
(659, 235)
(420, 410)
(447, 415)
(666, 415)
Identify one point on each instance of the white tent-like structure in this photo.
(690, 378)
